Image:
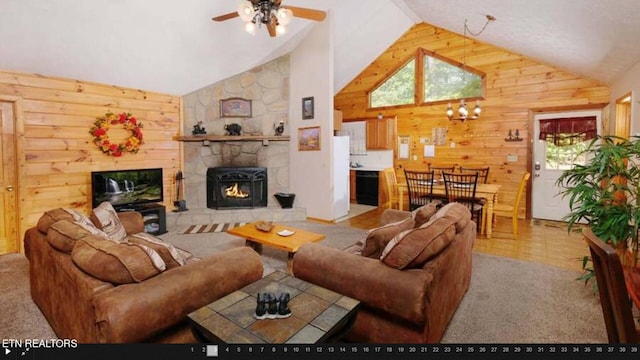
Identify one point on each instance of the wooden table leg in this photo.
(489, 218)
(257, 247)
(290, 263)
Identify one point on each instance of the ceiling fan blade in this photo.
(271, 27)
(225, 16)
(305, 13)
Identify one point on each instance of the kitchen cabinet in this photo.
(352, 186)
(383, 196)
(337, 120)
(381, 134)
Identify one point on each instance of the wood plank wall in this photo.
(517, 87)
(58, 153)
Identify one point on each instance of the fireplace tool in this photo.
(180, 204)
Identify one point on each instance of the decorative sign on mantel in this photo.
(235, 108)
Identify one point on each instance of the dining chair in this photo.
(511, 210)
(483, 172)
(391, 184)
(462, 188)
(614, 298)
(419, 187)
(438, 170)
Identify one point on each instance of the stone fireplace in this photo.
(236, 187)
(267, 86)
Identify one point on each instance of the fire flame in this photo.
(234, 191)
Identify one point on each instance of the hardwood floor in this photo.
(541, 241)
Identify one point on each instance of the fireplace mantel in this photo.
(221, 138)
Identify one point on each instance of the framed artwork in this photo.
(309, 138)
(235, 107)
(439, 136)
(404, 144)
(307, 108)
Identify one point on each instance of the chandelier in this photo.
(463, 110)
(256, 13)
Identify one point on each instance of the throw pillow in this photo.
(117, 263)
(422, 214)
(412, 248)
(378, 238)
(106, 219)
(169, 254)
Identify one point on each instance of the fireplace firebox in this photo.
(236, 187)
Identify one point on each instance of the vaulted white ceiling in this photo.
(173, 46)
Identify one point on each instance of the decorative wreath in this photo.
(100, 134)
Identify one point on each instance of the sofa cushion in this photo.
(172, 256)
(117, 263)
(63, 234)
(422, 214)
(412, 248)
(378, 238)
(50, 217)
(106, 219)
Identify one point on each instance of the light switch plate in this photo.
(512, 158)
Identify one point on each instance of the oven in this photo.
(367, 187)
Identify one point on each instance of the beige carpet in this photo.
(509, 301)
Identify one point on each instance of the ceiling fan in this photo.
(270, 13)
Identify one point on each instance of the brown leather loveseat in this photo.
(131, 296)
(410, 274)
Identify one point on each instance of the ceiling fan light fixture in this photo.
(284, 16)
(246, 11)
(281, 29)
(250, 27)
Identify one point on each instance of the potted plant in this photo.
(605, 192)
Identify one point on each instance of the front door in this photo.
(549, 161)
(8, 186)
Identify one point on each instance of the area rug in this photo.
(509, 301)
(210, 228)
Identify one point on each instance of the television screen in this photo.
(127, 188)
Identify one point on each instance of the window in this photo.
(566, 138)
(433, 78)
(399, 89)
(443, 81)
(564, 157)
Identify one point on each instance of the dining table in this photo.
(489, 192)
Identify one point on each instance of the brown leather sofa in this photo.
(411, 294)
(82, 307)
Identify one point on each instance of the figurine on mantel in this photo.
(233, 129)
(280, 128)
(198, 129)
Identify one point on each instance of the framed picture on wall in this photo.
(235, 107)
(309, 138)
(307, 108)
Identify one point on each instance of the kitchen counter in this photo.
(367, 168)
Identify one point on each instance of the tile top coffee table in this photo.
(317, 314)
(291, 243)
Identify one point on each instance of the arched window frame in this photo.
(419, 81)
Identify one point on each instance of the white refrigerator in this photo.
(340, 176)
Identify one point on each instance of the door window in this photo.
(564, 157)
